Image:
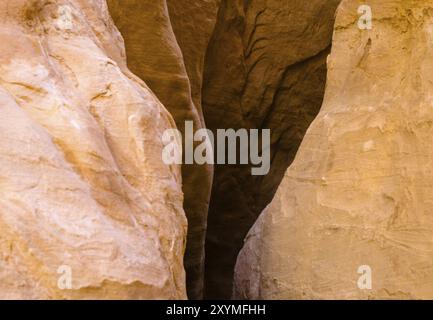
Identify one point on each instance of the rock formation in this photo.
(265, 68)
(193, 22)
(89, 209)
(359, 190)
(83, 190)
(175, 77)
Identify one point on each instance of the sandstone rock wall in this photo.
(83, 189)
(359, 192)
(193, 22)
(155, 56)
(265, 69)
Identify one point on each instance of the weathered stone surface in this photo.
(155, 56)
(193, 22)
(82, 183)
(360, 189)
(265, 68)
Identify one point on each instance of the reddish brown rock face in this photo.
(193, 22)
(174, 73)
(265, 69)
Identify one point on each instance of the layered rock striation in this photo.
(265, 69)
(166, 43)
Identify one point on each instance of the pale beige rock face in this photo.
(82, 183)
(265, 69)
(359, 191)
(155, 56)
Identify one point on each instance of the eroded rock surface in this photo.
(265, 69)
(193, 22)
(359, 192)
(155, 56)
(83, 190)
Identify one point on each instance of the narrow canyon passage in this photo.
(230, 64)
(265, 69)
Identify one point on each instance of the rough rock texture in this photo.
(360, 189)
(265, 68)
(82, 184)
(155, 56)
(193, 22)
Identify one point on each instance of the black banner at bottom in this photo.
(168, 310)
